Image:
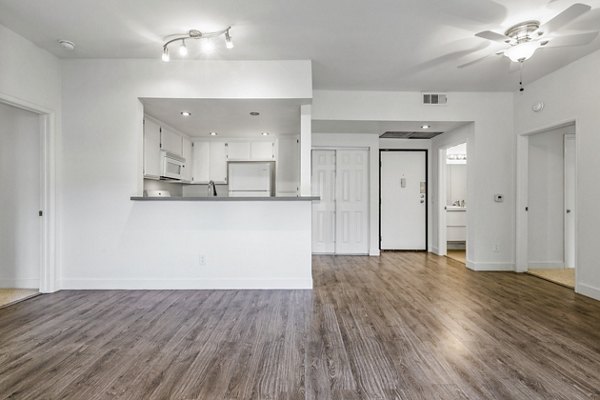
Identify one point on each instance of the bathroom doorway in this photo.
(455, 206)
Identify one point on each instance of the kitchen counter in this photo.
(207, 198)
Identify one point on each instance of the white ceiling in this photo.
(354, 44)
(229, 118)
(379, 127)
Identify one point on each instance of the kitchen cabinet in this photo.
(171, 141)
(200, 162)
(238, 151)
(217, 167)
(187, 154)
(262, 151)
(151, 149)
(288, 166)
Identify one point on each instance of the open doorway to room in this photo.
(455, 207)
(551, 205)
(21, 199)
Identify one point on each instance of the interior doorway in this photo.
(551, 211)
(340, 177)
(21, 178)
(403, 199)
(454, 187)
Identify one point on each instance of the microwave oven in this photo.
(171, 166)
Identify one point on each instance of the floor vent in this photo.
(434, 99)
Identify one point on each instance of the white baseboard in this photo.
(490, 266)
(547, 264)
(435, 250)
(588, 291)
(20, 283)
(184, 284)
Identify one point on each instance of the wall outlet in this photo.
(202, 260)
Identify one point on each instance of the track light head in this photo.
(165, 54)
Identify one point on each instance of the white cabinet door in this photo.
(171, 142)
(352, 204)
(262, 151)
(288, 166)
(200, 162)
(238, 151)
(187, 154)
(151, 149)
(218, 162)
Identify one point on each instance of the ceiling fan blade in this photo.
(579, 39)
(494, 36)
(565, 17)
(475, 61)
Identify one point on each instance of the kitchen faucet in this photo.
(212, 189)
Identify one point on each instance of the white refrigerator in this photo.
(250, 179)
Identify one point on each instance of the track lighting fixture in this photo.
(207, 44)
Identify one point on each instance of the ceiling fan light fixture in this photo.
(183, 50)
(165, 55)
(522, 51)
(228, 41)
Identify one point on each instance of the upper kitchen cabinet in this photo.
(171, 141)
(217, 162)
(187, 154)
(238, 151)
(288, 166)
(151, 149)
(262, 151)
(201, 162)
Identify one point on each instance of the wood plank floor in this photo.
(401, 326)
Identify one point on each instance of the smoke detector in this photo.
(67, 44)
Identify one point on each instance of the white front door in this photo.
(323, 212)
(570, 176)
(352, 205)
(403, 200)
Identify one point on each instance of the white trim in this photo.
(19, 283)
(436, 251)
(185, 284)
(588, 290)
(547, 264)
(490, 266)
(48, 251)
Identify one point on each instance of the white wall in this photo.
(546, 199)
(20, 198)
(106, 239)
(573, 94)
(491, 155)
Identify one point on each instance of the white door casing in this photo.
(352, 205)
(323, 211)
(403, 200)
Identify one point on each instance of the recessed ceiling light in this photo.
(186, 113)
(265, 133)
(67, 44)
(213, 134)
(425, 126)
(254, 113)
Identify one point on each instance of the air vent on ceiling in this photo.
(409, 135)
(434, 99)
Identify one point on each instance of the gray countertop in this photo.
(302, 198)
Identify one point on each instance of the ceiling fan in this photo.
(524, 38)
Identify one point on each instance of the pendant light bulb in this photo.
(183, 51)
(207, 46)
(228, 41)
(165, 55)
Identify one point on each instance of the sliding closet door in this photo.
(323, 214)
(352, 205)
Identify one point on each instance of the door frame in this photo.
(426, 193)
(522, 223)
(48, 223)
